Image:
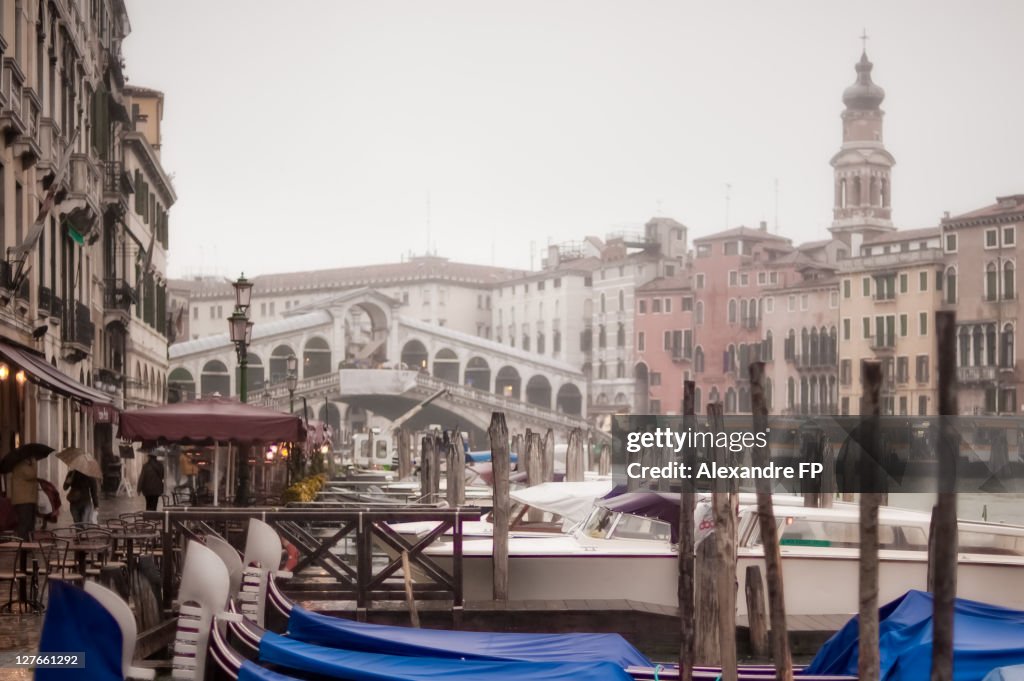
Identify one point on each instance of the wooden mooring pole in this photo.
(547, 469)
(942, 544)
(498, 434)
(687, 503)
(404, 454)
(779, 635)
(724, 502)
(574, 462)
(455, 463)
(870, 498)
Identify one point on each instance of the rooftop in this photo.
(1005, 206)
(743, 232)
(417, 269)
(902, 235)
(680, 282)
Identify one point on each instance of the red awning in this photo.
(41, 372)
(209, 421)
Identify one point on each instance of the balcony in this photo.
(812, 361)
(883, 344)
(117, 185)
(118, 299)
(12, 120)
(78, 332)
(682, 354)
(970, 375)
(45, 304)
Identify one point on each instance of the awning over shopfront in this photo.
(210, 421)
(44, 374)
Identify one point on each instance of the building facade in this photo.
(67, 282)
(982, 255)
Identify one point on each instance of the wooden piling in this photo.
(687, 504)
(574, 464)
(404, 445)
(723, 501)
(547, 473)
(707, 650)
(757, 618)
(604, 460)
(779, 635)
(942, 554)
(870, 458)
(455, 465)
(430, 474)
(498, 434)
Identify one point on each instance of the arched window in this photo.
(602, 302)
(814, 350)
(622, 300)
(951, 292)
(790, 393)
(698, 312)
(732, 311)
(979, 346)
(1008, 281)
(991, 282)
(805, 345)
(744, 311)
(768, 353)
(602, 337)
(965, 347)
(620, 369)
(620, 336)
(698, 360)
(990, 344)
(1007, 349)
(602, 370)
(730, 401)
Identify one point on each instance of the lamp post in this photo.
(292, 363)
(240, 329)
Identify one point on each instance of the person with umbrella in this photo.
(80, 483)
(21, 464)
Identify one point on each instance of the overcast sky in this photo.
(315, 134)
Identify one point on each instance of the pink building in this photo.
(664, 342)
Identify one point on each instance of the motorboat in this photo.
(626, 549)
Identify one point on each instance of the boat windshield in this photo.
(604, 523)
(841, 533)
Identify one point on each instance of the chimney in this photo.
(764, 225)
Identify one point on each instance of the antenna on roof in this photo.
(776, 205)
(728, 196)
(428, 222)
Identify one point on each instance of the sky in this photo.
(323, 133)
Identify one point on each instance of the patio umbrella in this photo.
(81, 461)
(34, 450)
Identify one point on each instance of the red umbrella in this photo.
(209, 421)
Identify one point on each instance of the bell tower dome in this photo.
(862, 169)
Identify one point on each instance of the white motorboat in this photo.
(625, 550)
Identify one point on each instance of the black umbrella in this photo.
(34, 450)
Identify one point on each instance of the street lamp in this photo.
(240, 331)
(292, 364)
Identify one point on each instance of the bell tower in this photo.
(862, 168)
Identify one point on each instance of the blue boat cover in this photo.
(335, 632)
(250, 671)
(77, 623)
(356, 666)
(1014, 673)
(984, 637)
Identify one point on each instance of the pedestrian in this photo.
(151, 481)
(82, 495)
(188, 470)
(25, 495)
